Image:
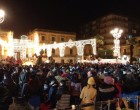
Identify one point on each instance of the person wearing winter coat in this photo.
(62, 96)
(107, 91)
(75, 88)
(51, 100)
(33, 92)
(88, 94)
(4, 96)
(86, 77)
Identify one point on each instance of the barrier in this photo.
(108, 103)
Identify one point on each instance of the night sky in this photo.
(22, 16)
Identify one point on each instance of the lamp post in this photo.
(2, 14)
(116, 34)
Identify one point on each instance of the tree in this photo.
(99, 40)
(101, 53)
(105, 53)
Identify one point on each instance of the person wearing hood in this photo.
(107, 91)
(88, 94)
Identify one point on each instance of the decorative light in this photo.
(2, 14)
(10, 44)
(116, 34)
(36, 41)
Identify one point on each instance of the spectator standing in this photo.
(75, 88)
(88, 94)
(51, 100)
(107, 91)
(33, 92)
(86, 77)
(62, 96)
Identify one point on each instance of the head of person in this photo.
(75, 77)
(89, 74)
(108, 80)
(91, 81)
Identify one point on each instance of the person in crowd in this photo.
(62, 96)
(9, 83)
(34, 81)
(88, 94)
(63, 89)
(33, 92)
(75, 89)
(5, 96)
(131, 89)
(107, 91)
(23, 78)
(15, 75)
(58, 77)
(51, 99)
(65, 73)
(85, 79)
(119, 87)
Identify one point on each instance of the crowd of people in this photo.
(53, 85)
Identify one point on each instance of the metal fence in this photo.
(107, 103)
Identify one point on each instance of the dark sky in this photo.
(23, 16)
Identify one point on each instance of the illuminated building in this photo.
(104, 24)
(6, 44)
(59, 45)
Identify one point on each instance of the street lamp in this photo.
(116, 34)
(2, 14)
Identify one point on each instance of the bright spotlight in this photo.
(2, 14)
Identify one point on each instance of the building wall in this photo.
(105, 24)
(4, 35)
(27, 48)
(51, 36)
(6, 42)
